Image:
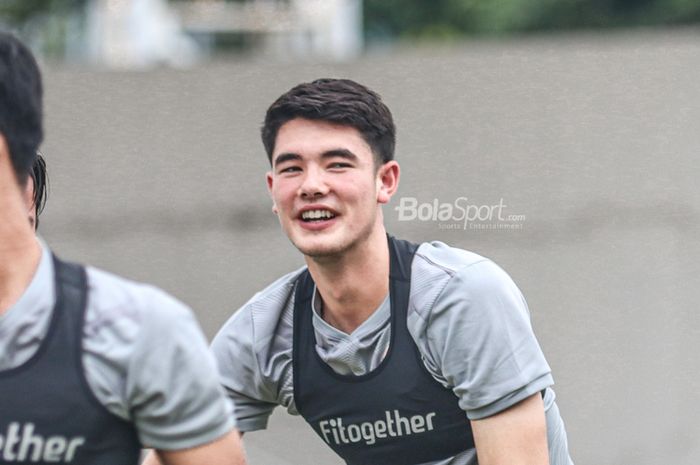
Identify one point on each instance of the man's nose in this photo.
(314, 184)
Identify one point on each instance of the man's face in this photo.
(325, 187)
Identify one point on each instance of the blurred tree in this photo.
(444, 19)
(448, 18)
(48, 26)
(17, 12)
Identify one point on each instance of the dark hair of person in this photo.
(41, 182)
(339, 101)
(20, 104)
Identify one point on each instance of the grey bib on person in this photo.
(48, 414)
(397, 414)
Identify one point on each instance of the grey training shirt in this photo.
(469, 321)
(144, 356)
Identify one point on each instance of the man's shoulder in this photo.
(277, 293)
(264, 314)
(118, 302)
(439, 269)
(139, 334)
(438, 257)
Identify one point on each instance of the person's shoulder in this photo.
(438, 268)
(261, 314)
(268, 302)
(278, 291)
(148, 361)
(439, 257)
(115, 301)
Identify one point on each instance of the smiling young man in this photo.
(92, 365)
(395, 353)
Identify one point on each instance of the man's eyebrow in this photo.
(332, 153)
(341, 153)
(287, 156)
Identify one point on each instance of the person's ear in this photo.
(268, 178)
(29, 200)
(387, 181)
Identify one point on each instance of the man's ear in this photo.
(28, 193)
(387, 180)
(30, 201)
(269, 179)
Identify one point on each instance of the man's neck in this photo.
(20, 251)
(355, 284)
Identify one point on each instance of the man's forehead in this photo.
(315, 138)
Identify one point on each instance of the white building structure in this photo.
(136, 34)
(144, 33)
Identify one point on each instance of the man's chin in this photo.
(319, 252)
(318, 249)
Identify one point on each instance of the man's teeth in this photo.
(316, 214)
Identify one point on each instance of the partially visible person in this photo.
(92, 366)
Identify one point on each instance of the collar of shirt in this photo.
(356, 353)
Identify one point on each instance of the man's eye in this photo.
(340, 165)
(290, 169)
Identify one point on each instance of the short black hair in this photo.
(41, 183)
(339, 101)
(21, 111)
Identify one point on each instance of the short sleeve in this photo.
(241, 377)
(173, 390)
(480, 338)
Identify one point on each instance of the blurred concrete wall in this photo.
(159, 176)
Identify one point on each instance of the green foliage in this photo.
(439, 19)
(17, 12)
(446, 19)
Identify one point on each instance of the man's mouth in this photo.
(316, 215)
